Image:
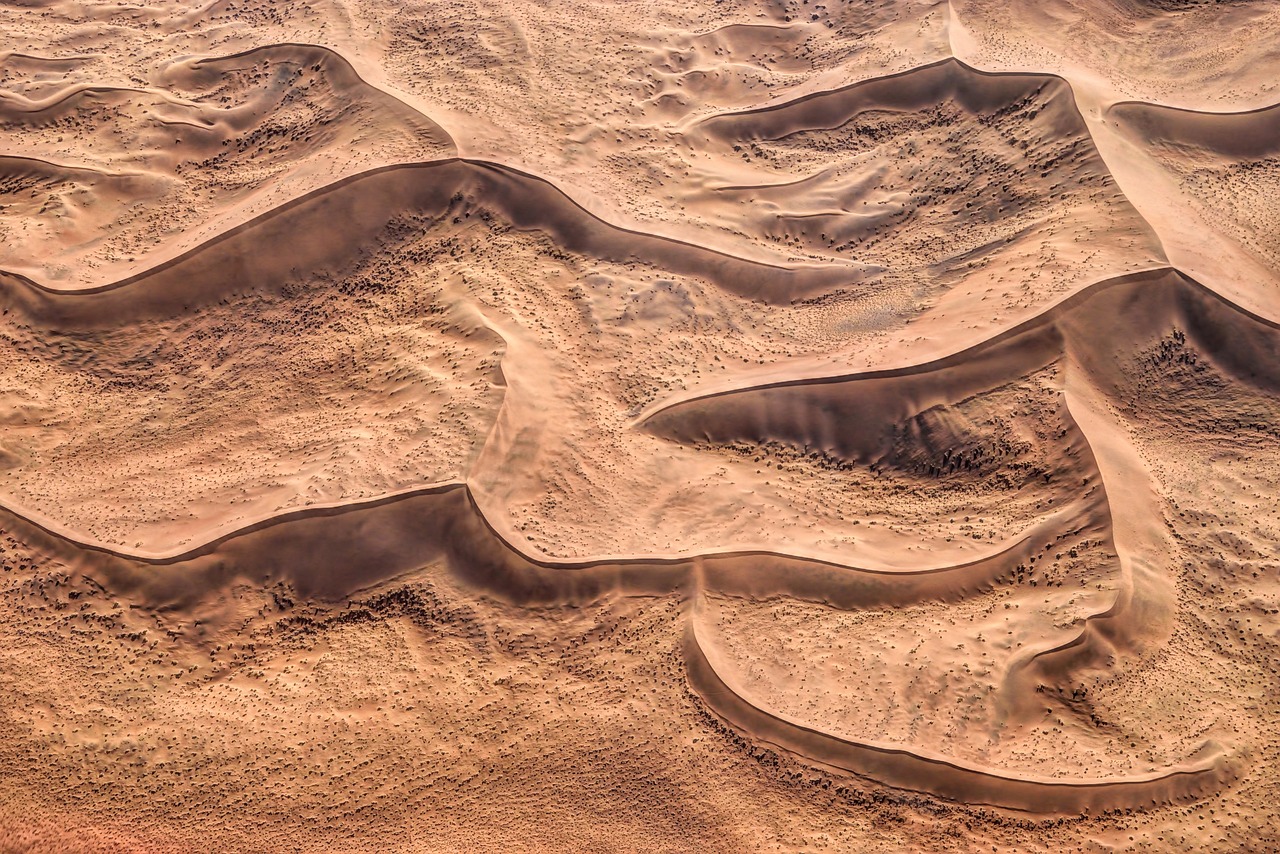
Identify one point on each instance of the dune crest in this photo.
(776, 425)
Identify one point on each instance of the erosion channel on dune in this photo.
(762, 425)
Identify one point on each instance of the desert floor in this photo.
(751, 425)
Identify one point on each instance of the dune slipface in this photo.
(729, 427)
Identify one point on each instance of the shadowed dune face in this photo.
(865, 419)
(943, 178)
(1197, 364)
(975, 784)
(1181, 351)
(342, 384)
(1227, 164)
(767, 425)
(367, 203)
(214, 139)
(998, 451)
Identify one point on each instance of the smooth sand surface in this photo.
(736, 426)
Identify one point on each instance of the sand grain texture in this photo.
(736, 426)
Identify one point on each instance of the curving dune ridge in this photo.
(365, 203)
(511, 426)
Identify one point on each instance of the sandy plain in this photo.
(778, 426)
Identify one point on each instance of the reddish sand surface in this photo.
(751, 425)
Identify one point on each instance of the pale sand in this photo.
(578, 426)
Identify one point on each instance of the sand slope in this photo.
(577, 426)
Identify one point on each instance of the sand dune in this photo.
(311, 551)
(943, 171)
(366, 203)
(858, 419)
(1249, 135)
(908, 90)
(1225, 166)
(226, 137)
(1129, 46)
(930, 772)
(575, 426)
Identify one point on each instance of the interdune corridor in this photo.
(751, 425)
